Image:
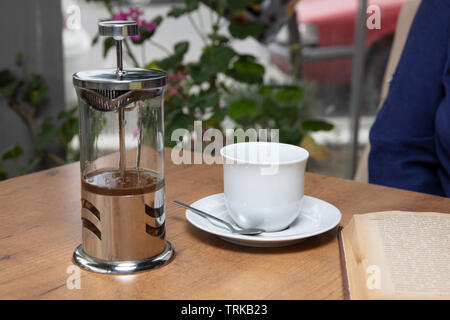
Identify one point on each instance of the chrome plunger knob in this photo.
(118, 30)
(124, 28)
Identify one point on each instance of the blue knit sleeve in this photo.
(403, 151)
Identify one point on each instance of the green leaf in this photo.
(35, 89)
(265, 90)
(316, 125)
(291, 113)
(68, 130)
(152, 65)
(12, 89)
(218, 116)
(217, 58)
(172, 62)
(47, 133)
(9, 84)
(242, 108)
(179, 121)
(176, 12)
(182, 121)
(246, 66)
(181, 48)
(95, 39)
(169, 64)
(272, 110)
(199, 74)
(213, 61)
(249, 78)
(239, 5)
(174, 103)
(221, 39)
(32, 163)
(13, 153)
(242, 31)
(158, 20)
(289, 94)
(173, 108)
(190, 5)
(247, 71)
(38, 95)
(108, 43)
(3, 174)
(247, 57)
(290, 135)
(204, 100)
(6, 78)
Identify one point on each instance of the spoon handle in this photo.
(203, 214)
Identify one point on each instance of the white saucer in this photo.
(316, 217)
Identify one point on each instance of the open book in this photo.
(396, 255)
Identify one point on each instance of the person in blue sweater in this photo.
(410, 139)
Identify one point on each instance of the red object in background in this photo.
(335, 71)
(332, 23)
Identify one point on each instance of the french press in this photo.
(122, 164)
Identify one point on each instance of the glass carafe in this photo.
(122, 165)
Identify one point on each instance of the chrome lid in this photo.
(121, 28)
(131, 79)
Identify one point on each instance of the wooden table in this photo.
(40, 226)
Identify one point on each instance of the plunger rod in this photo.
(122, 160)
(119, 30)
(122, 157)
(119, 57)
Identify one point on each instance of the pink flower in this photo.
(176, 77)
(149, 26)
(131, 14)
(173, 90)
(172, 77)
(180, 76)
(120, 16)
(135, 15)
(136, 37)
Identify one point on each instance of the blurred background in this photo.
(312, 68)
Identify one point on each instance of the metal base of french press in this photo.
(121, 267)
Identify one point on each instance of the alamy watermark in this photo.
(215, 139)
(373, 281)
(73, 281)
(374, 19)
(73, 17)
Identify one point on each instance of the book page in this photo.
(353, 262)
(417, 250)
(408, 252)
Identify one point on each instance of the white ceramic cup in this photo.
(264, 183)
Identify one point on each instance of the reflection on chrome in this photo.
(125, 267)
